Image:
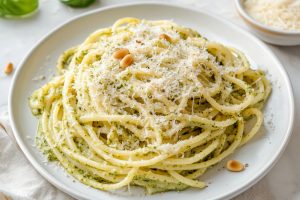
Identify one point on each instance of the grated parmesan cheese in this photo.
(279, 14)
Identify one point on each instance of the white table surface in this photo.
(17, 37)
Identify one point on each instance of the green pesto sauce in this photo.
(42, 144)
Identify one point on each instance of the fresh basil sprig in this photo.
(78, 3)
(17, 8)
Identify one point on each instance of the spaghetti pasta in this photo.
(176, 108)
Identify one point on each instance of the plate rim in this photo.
(66, 188)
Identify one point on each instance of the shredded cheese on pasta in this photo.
(178, 108)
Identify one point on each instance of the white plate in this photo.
(261, 153)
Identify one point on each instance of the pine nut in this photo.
(165, 37)
(121, 53)
(9, 68)
(126, 61)
(235, 166)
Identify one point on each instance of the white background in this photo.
(17, 37)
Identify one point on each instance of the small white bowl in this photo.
(267, 33)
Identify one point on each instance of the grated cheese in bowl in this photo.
(279, 14)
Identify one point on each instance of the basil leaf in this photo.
(78, 3)
(17, 8)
